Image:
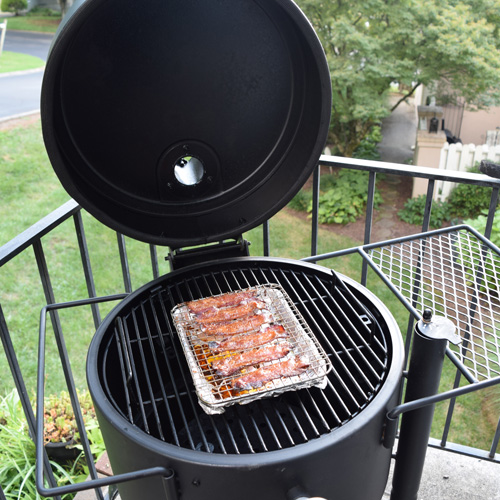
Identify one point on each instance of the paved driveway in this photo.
(33, 44)
(20, 92)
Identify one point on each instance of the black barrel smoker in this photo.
(185, 123)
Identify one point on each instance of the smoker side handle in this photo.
(392, 416)
(168, 475)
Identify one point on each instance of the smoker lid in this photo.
(183, 122)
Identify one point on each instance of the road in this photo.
(20, 93)
(33, 44)
(399, 133)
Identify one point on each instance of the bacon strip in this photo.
(259, 377)
(229, 365)
(216, 315)
(249, 340)
(226, 300)
(213, 337)
(227, 328)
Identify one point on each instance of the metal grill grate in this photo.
(458, 276)
(146, 376)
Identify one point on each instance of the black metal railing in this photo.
(33, 240)
(413, 300)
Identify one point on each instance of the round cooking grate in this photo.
(144, 372)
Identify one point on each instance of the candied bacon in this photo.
(246, 324)
(257, 378)
(249, 340)
(226, 300)
(231, 364)
(212, 337)
(217, 315)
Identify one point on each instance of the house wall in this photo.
(476, 123)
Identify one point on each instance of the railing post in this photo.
(153, 254)
(124, 262)
(65, 362)
(496, 439)
(493, 170)
(87, 268)
(368, 221)
(315, 211)
(266, 239)
(10, 352)
(428, 205)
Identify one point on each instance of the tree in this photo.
(373, 44)
(14, 6)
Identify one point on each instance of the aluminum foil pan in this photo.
(292, 360)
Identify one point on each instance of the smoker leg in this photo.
(169, 486)
(426, 362)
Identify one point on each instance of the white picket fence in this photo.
(3, 30)
(460, 157)
(493, 137)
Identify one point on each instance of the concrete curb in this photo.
(20, 115)
(24, 72)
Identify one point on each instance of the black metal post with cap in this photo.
(424, 374)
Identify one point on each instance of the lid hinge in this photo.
(183, 257)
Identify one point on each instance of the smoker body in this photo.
(188, 123)
(350, 464)
(339, 458)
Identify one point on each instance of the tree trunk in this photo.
(65, 5)
(408, 94)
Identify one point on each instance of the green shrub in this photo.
(479, 224)
(18, 454)
(328, 181)
(345, 199)
(465, 200)
(468, 200)
(367, 149)
(301, 201)
(14, 6)
(60, 423)
(414, 209)
(43, 11)
(470, 253)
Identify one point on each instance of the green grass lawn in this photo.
(33, 22)
(13, 61)
(29, 190)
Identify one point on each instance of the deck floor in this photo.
(449, 476)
